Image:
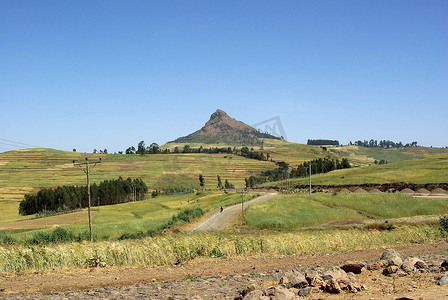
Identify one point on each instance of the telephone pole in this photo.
(86, 169)
(310, 179)
(242, 207)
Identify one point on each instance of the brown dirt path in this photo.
(87, 279)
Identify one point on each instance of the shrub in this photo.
(443, 224)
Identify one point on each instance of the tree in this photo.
(219, 182)
(141, 148)
(228, 185)
(201, 181)
(74, 149)
(105, 151)
(95, 151)
(130, 150)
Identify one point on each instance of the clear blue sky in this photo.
(108, 74)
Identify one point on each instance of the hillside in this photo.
(430, 169)
(223, 129)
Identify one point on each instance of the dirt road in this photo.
(220, 220)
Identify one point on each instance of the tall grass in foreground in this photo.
(167, 250)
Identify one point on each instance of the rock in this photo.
(389, 254)
(314, 278)
(254, 295)
(353, 266)
(443, 280)
(332, 287)
(390, 270)
(351, 276)
(354, 287)
(305, 292)
(373, 266)
(279, 292)
(444, 264)
(294, 279)
(335, 273)
(404, 298)
(412, 263)
(294, 291)
(343, 283)
(248, 289)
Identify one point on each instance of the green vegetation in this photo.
(302, 211)
(431, 169)
(128, 219)
(171, 249)
(67, 198)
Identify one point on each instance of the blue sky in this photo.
(108, 74)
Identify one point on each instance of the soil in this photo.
(222, 278)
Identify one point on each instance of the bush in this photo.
(132, 236)
(443, 224)
(58, 235)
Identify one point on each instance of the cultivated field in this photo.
(295, 211)
(430, 169)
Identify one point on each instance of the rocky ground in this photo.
(368, 274)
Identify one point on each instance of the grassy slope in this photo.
(113, 220)
(364, 156)
(25, 171)
(431, 169)
(302, 211)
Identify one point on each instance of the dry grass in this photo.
(166, 250)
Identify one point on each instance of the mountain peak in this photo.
(217, 116)
(221, 128)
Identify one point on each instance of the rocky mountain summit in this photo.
(221, 128)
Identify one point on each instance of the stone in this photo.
(444, 264)
(253, 295)
(354, 287)
(335, 273)
(304, 292)
(332, 287)
(390, 270)
(294, 279)
(410, 264)
(353, 266)
(373, 266)
(343, 283)
(395, 261)
(314, 279)
(443, 280)
(389, 254)
(351, 276)
(248, 289)
(279, 292)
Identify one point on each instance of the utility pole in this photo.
(87, 171)
(189, 191)
(242, 207)
(310, 179)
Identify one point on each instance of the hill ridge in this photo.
(221, 128)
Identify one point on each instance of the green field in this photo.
(430, 169)
(110, 222)
(302, 210)
(26, 171)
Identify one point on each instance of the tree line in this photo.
(155, 149)
(320, 165)
(382, 144)
(71, 197)
(322, 142)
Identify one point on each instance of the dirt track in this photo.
(220, 220)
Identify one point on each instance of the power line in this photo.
(24, 144)
(6, 149)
